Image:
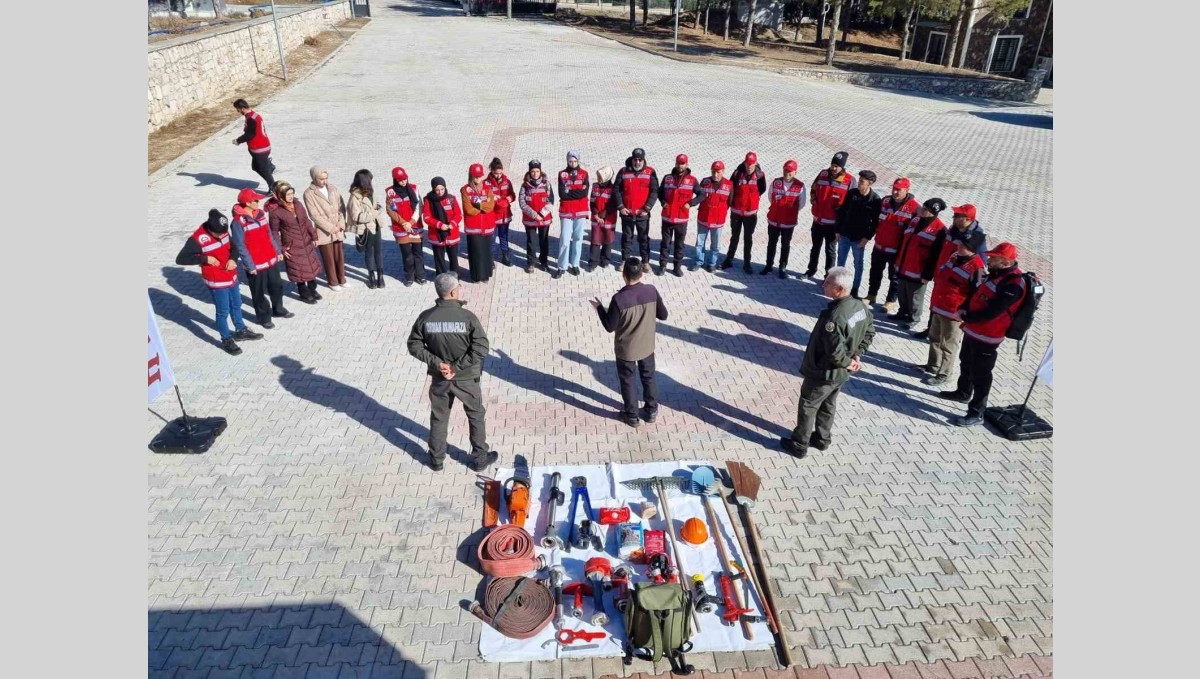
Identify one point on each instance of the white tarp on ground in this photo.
(605, 490)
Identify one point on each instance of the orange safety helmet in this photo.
(694, 531)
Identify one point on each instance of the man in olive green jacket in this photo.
(842, 334)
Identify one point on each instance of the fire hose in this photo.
(508, 550)
(517, 607)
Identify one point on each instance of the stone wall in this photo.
(986, 88)
(186, 74)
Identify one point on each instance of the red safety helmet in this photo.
(901, 183)
(717, 165)
(1005, 250)
(399, 174)
(790, 166)
(248, 195)
(681, 159)
(751, 158)
(476, 170)
(967, 210)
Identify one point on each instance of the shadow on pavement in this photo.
(210, 179)
(553, 386)
(427, 8)
(1039, 120)
(172, 308)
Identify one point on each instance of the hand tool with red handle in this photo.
(577, 590)
(568, 636)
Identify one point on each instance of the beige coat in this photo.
(328, 214)
(363, 214)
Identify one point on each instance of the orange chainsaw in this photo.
(516, 492)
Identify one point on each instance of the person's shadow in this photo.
(553, 386)
(327, 392)
(210, 179)
(190, 283)
(172, 308)
(888, 392)
(793, 295)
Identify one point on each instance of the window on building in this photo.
(1004, 54)
(935, 49)
(1023, 13)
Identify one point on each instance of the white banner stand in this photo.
(1018, 422)
(183, 434)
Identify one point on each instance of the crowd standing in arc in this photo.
(911, 243)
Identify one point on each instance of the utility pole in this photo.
(675, 40)
(278, 40)
(509, 9)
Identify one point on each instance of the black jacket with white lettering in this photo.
(448, 333)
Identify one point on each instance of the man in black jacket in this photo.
(857, 218)
(450, 340)
(632, 317)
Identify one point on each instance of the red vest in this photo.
(677, 191)
(951, 284)
(257, 232)
(714, 209)
(828, 194)
(745, 193)
(576, 208)
(453, 213)
(785, 203)
(503, 191)
(402, 205)
(484, 223)
(993, 331)
(892, 220)
(635, 187)
(212, 246)
(259, 142)
(537, 196)
(604, 208)
(917, 247)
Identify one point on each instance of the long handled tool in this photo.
(655, 484)
(745, 487)
(701, 482)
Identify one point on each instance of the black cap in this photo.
(935, 205)
(840, 159)
(535, 163)
(496, 164)
(639, 153)
(976, 241)
(867, 175)
(216, 221)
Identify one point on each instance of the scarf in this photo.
(435, 204)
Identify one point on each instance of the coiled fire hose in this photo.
(508, 550)
(517, 607)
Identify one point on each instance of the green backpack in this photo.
(658, 622)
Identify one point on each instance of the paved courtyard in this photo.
(312, 540)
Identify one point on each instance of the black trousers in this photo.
(445, 258)
(976, 361)
(373, 251)
(673, 236)
(537, 245)
(781, 237)
(263, 167)
(266, 289)
(307, 289)
(822, 234)
(814, 416)
(739, 222)
(479, 258)
(442, 393)
(413, 257)
(639, 225)
(626, 370)
(881, 260)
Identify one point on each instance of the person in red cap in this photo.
(259, 254)
(502, 188)
(895, 211)
(951, 284)
(443, 217)
(963, 226)
(916, 261)
(535, 200)
(788, 197)
(828, 193)
(479, 205)
(749, 185)
(209, 247)
(636, 192)
(403, 205)
(715, 192)
(678, 195)
(986, 317)
(254, 136)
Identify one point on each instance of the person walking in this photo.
(328, 212)
(678, 195)
(259, 252)
(749, 185)
(443, 217)
(788, 196)
(363, 216)
(840, 337)
(535, 200)
(632, 316)
(210, 248)
(916, 261)
(604, 218)
(479, 222)
(952, 282)
(829, 191)
(573, 187)
(894, 214)
(254, 136)
(715, 192)
(403, 206)
(502, 189)
(297, 239)
(451, 342)
(857, 219)
(636, 192)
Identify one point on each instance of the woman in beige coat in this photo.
(328, 213)
(363, 217)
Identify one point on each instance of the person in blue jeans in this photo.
(573, 211)
(210, 248)
(857, 219)
(715, 192)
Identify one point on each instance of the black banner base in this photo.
(1017, 424)
(177, 437)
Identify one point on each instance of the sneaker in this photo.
(677, 271)
(935, 380)
(335, 288)
(557, 274)
(230, 346)
(268, 324)
(482, 463)
(766, 270)
(630, 420)
(574, 271)
(891, 307)
(814, 442)
(648, 416)
(422, 281)
(789, 446)
(810, 274)
(954, 396)
(247, 334)
(783, 274)
(282, 314)
(727, 264)
(708, 268)
(408, 284)
(870, 300)
(968, 421)
(693, 266)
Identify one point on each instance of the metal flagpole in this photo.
(187, 424)
(278, 40)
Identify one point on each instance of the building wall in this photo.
(987, 26)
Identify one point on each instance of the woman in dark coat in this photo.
(298, 236)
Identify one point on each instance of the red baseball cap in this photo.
(681, 159)
(967, 210)
(399, 174)
(249, 195)
(751, 158)
(1005, 250)
(901, 183)
(717, 165)
(790, 166)
(476, 170)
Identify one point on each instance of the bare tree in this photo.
(728, 8)
(749, 22)
(632, 14)
(912, 9)
(959, 18)
(831, 45)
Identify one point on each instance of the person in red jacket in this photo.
(986, 317)
(715, 192)
(210, 248)
(894, 214)
(535, 200)
(829, 191)
(916, 261)
(479, 223)
(443, 218)
(636, 192)
(678, 195)
(502, 188)
(788, 197)
(573, 186)
(403, 205)
(749, 184)
(604, 218)
(951, 284)
(254, 136)
(259, 254)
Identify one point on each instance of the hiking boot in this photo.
(648, 416)
(230, 346)
(954, 396)
(815, 442)
(630, 420)
(247, 334)
(727, 264)
(766, 270)
(677, 271)
(789, 446)
(487, 460)
(437, 464)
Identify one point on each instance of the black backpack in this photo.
(1022, 318)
